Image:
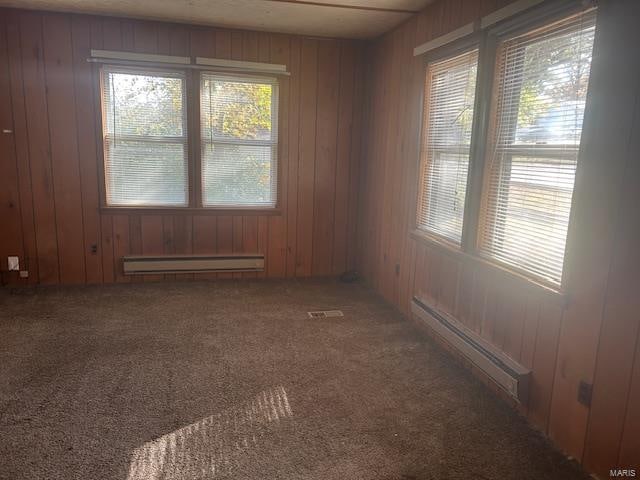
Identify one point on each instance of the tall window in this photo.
(145, 138)
(448, 117)
(540, 93)
(239, 134)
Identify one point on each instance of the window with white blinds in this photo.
(239, 135)
(539, 93)
(145, 138)
(448, 118)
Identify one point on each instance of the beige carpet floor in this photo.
(231, 379)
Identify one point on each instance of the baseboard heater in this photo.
(503, 370)
(153, 264)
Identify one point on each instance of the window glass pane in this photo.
(540, 101)
(237, 174)
(239, 141)
(448, 119)
(144, 138)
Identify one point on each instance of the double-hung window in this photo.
(532, 153)
(530, 137)
(448, 118)
(149, 161)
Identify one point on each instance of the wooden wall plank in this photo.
(325, 156)
(277, 242)
(85, 36)
(21, 143)
(630, 442)
(121, 246)
(39, 147)
(152, 240)
(294, 156)
(58, 64)
(348, 54)
(11, 239)
(108, 266)
(354, 156)
(307, 160)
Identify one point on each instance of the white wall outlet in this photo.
(13, 263)
(24, 273)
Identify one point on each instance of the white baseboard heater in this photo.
(506, 372)
(153, 264)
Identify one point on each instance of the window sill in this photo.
(556, 296)
(190, 211)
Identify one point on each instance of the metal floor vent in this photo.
(326, 314)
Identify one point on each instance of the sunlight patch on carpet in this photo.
(213, 446)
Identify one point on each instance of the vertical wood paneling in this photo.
(591, 333)
(343, 153)
(121, 245)
(277, 242)
(21, 143)
(152, 240)
(108, 267)
(58, 66)
(293, 147)
(85, 36)
(53, 187)
(10, 240)
(307, 159)
(325, 156)
(39, 147)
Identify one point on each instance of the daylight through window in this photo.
(239, 135)
(540, 92)
(451, 85)
(145, 138)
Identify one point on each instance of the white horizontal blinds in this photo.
(540, 98)
(448, 118)
(239, 140)
(145, 138)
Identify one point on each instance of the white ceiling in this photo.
(329, 18)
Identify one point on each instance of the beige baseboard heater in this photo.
(502, 369)
(153, 264)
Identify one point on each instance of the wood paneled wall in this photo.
(49, 205)
(589, 335)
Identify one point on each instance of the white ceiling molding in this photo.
(438, 42)
(139, 57)
(243, 66)
(358, 19)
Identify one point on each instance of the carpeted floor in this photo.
(233, 380)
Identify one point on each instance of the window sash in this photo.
(449, 102)
(111, 139)
(209, 138)
(541, 252)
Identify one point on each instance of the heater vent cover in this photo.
(326, 314)
(152, 264)
(502, 369)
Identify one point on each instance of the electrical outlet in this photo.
(24, 274)
(13, 264)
